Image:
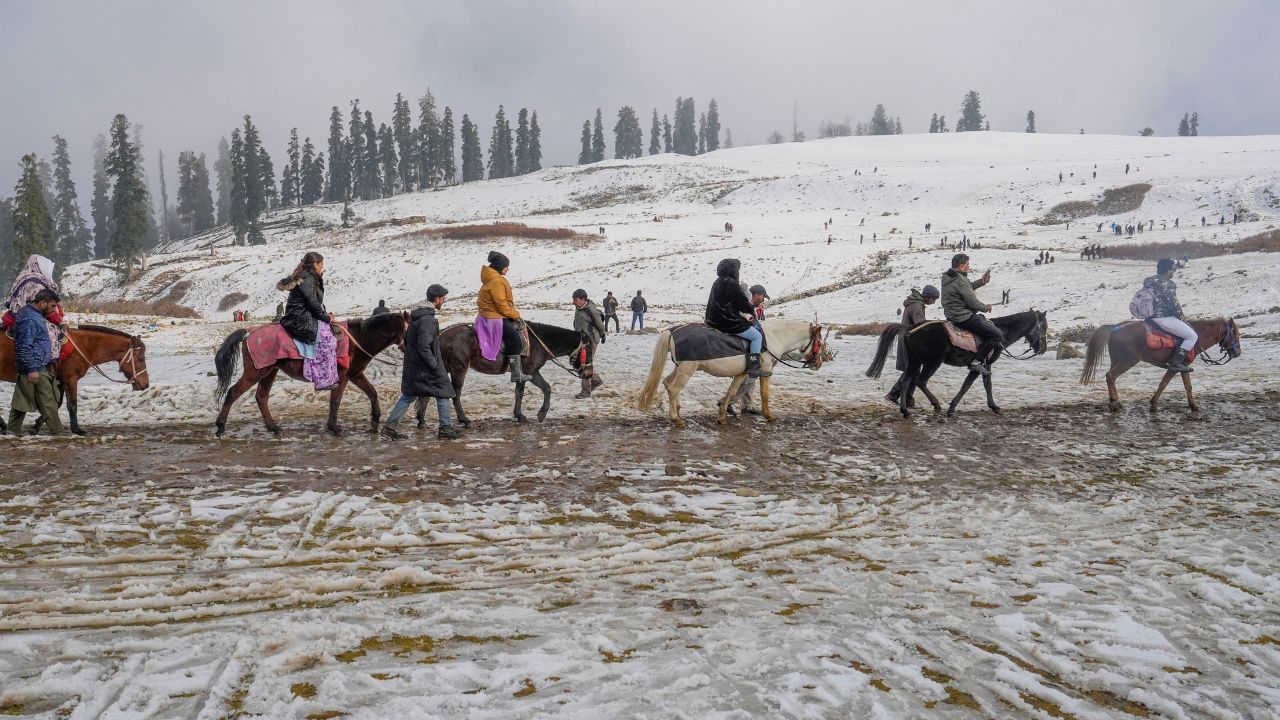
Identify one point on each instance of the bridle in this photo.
(132, 374)
(1038, 342)
(552, 355)
(1229, 344)
(811, 353)
(372, 356)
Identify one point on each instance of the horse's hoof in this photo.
(1114, 407)
(274, 429)
(771, 418)
(678, 423)
(937, 408)
(542, 415)
(951, 412)
(722, 421)
(335, 431)
(995, 409)
(521, 419)
(79, 431)
(1194, 408)
(423, 423)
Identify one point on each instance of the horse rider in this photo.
(913, 313)
(424, 373)
(498, 312)
(587, 321)
(744, 396)
(962, 308)
(36, 389)
(37, 275)
(728, 309)
(309, 323)
(1168, 313)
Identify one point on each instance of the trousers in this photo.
(402, 406)
(1180, 329)
(753, 336)
(989, 335)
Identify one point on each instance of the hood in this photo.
(728, 268)
(488, 274)
(915, 298)
(421, 312)
(41, 264)
(951, 276)
(288, 283)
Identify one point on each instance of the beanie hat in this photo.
(497, 260)
(579, 294)
(930, 291)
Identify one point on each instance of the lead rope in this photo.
(359, 347)
(528, 327)
(128, 354)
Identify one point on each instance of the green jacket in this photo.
(1166, 296)
(587, 319)
(959, 301)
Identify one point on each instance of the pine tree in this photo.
(713, 126)
(236, 214)
(338, 186)
(202, 199)
(535, 144)
(880, 123)
(291, 176)
(166, 227)
(970, 113)
(128, 196)
(667, 143)
(933, 123)
(45, 172)
(270, 196)
(685, 133)
(628, 139)
(312, 174)
(655, 135)
(371, 179)
(152, 237)
(254, 191)
(73, 238)
(222, 169)
(1194, 125)
(444, 152)
(702, 133)
(987, 127)
(500, 163)
(355, 153)
(1031, 121)
(33, 231)
(597, 138)
(406, 143)
(472, 156)
(430, 144)
(8, 256)
(186, 204)
(390, 163)
(522, 142)
(100, 205)
(584, 155)
(1184, 126)
(897, 126)
(728, 139)
(942, 124)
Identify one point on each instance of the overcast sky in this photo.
(188, 71)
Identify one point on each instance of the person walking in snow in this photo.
(610, 304)
(638, 308)
(744, 397)
(36, 387)
(381, 309)
(913, 313)
(424, 374)
(587, 321)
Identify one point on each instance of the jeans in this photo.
(1179, 329)
(402, 407)
(616, 327)
(752, 335)
(637, 317)
(989, 336)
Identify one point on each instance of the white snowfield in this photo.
(844, 563)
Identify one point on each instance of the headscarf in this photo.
(36, 276)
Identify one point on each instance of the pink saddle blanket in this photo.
(270, 343)
(962, 339)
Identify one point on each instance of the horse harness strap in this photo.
(128, 355)
(360, 347)
(555, 360)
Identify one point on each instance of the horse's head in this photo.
(814, 350)
(1229, 339)
(133, 364)
(1038, 335)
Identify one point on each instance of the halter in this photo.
(1031, 351)
(812, 352)
(131, 375)
(1229, 344)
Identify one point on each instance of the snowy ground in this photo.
(1056, 561)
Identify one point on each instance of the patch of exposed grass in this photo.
(306, 691)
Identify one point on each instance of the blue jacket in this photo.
(31, 348)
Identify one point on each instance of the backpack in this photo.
(1143, 304)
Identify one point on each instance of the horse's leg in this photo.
(545, 387)
(71, 386)
(674, 383)
(457, 378)
(922, 377)
(375, 410)
(908, 386)
(335, 401)
(764, 400)
(1186, 383)
(991, 403)
(518, 412)
(1117, 369)
(723, 417)
(964, 388)
(262, 396)
(248, 379)
(1164, 383)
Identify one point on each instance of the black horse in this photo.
(928, 347)
(461, 351)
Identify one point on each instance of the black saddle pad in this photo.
(699, 342)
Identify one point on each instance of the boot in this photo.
(446, 432)
(1178, 361)
(517, 373)
(391, 433)
(753, 366)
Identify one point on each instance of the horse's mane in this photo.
(562, 341)
(104, 329)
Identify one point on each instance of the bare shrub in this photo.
(231, 300)
(506, 229)
(1114, 201)
(872, 329)
(178, 291)
(167, 308)
(1076, 333)
(1268, 241)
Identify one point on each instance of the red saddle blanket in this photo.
(1158, 339)
(270, 343)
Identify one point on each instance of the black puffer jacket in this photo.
(728, 304)
(424, 371)
(304, 309)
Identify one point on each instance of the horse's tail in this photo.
(660, 353)
(1097, 346)
(226, 360)
(887, 339)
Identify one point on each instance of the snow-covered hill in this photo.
(664, 219)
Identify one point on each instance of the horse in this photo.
(1127, 343)
(928, 347)
(460, 349)
(369, 336)
(781, 337)
(91, 346)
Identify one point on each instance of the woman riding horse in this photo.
(728, 310)
(498, 320)
(308, 322)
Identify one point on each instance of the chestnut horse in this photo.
(369, 337)
(91, 345)
(1127, 343)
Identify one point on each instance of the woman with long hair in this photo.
(309, 323)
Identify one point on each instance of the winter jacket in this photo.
(31, 349)
(587, 319)
(727, 303)
(424, 373)
(639, 305)
(959, 302)
(1166, 296)
(304, 310)
(495, 299)
(913, 309)
(610, 305)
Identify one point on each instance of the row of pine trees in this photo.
(683, 137)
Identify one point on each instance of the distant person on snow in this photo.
(961, 306)
(1167, 313)
(728, 309)
(279, 311)
(913, 313)
(424, 374)
(587, 320)
(381, 309)
(610, 304)
(498, 322)
(638, 308)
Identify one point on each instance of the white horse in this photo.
(781, 337)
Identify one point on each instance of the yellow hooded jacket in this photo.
(495, 299)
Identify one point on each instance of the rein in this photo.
(359, 347)
(128, 355)
(1027, 354)
(812, 352)
(1227, 345)
(555, 360)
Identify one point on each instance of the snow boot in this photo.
(517, 372)
(1178, 361)
(446, 432)
(753, 366)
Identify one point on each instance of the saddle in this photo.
(697, 341)
(1159, 339)
(960, 338)
(270, 343)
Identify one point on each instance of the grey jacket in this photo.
(587, 319)
(959, 301)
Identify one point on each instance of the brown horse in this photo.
(369, 337)
(1127, 343)
(91, 345)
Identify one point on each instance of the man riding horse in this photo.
(962, 307)
(1168, 313)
